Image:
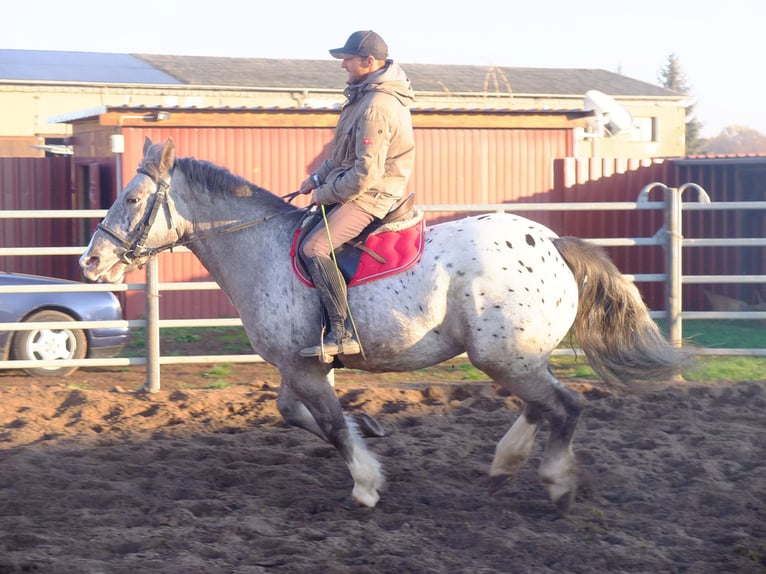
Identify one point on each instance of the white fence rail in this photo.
(670, 237)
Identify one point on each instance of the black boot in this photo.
(331, 288)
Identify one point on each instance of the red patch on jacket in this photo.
(367, 141)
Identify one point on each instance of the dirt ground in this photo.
(95, 478)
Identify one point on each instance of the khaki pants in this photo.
(345, 221)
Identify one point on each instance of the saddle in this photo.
(386, 246)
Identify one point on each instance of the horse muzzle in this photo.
(96, 269)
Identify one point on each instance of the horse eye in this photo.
(132, 200)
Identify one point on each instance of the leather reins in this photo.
(134, 241)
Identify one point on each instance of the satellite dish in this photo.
(610, 118)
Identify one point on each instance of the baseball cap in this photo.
(362, 43)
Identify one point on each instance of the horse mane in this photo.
(217, 179)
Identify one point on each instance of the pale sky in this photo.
(720, 46)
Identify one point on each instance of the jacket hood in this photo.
(390, 79)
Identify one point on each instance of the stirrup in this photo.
(330, 347)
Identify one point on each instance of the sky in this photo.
(719, 46)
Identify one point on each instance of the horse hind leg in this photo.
(514, 448)
(545, 400)
(558, 469)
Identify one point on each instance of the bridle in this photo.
(134, 242)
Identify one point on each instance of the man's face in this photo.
(357, 67)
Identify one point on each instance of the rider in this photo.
(373, 152)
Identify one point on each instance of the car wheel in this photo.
(45, 344)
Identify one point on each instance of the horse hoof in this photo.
(369, 426)
(495, 483)
(350, 504)
(564, 503)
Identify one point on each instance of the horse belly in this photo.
(401, 321)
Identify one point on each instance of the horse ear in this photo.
(168, 156)
(147, 144)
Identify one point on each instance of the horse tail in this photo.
(613, 326)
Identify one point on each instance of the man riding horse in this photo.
(372, 157)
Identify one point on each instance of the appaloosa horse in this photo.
(501, 288)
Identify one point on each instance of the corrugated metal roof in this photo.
(151, 109)
(54, 66)
(723, 159)
(554, 81)
(90, 67)
(327, 74)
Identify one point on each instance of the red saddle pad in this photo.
(401, 249)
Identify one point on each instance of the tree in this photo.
(672, 77)
(736, 139)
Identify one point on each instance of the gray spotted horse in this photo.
(500, 288)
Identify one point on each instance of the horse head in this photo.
(132, 231)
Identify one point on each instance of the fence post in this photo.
(152, 326)
(669, 237)
(673, 247)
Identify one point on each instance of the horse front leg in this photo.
(309, 402)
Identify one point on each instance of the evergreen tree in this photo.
(672, 77)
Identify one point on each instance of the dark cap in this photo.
(362, 43)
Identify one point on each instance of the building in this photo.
(484, 135)
(36, 86)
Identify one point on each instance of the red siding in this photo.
(452, 166)
(37, 184)
(615, 180)
(455, 166)
(485, 165)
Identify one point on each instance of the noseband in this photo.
(134, 242)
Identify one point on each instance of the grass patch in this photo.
(572, 367)
(218, 374)
(78, 386)
(235, 341)
(218, 371)
(732, 334)
(725, 334)
(755, 555)
(186, 337)
(136, 346)
(728, 369)
(218, 385)
(471, 373)
(180, 341)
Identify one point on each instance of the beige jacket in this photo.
(373, 148)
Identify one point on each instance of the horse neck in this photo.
(224, 254)
(208, 197)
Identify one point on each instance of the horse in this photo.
(500, 288)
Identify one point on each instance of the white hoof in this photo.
(560, 479)
(368, 478)
(365, 497)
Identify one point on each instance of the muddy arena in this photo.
(95, 478)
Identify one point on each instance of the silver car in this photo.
(45, 344)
